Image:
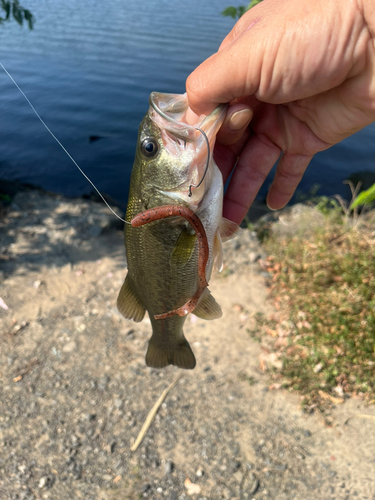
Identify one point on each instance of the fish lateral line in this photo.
(163, 212)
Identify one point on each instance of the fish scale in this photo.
(163, 256)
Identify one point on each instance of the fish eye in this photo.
(149, 147)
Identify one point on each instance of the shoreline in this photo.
(11, 188)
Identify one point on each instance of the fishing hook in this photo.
(207, 164)
(168, 118)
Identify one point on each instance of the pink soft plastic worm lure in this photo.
(158, 213)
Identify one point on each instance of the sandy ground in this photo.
(75, 391)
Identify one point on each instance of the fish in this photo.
(174, 227)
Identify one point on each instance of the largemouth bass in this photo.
(173, 167)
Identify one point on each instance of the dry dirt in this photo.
(75, 390)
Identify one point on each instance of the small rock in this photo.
(95, 231)
(42, 482)
(318, 367)
(27, 495)
(238, 475)
(103, 383)
(76, 443)
(46, 482)
(3, 304)
(234, 465)
(146, 487)
(78, 471)
(199, 473)
(69, 346)
(119, 403)
(254, 257)
(280, 467)
(169, 467)
(192, 489)
(254, 487)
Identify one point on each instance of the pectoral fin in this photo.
(228, 229)
(184, 248)
(127, 303)
(207, 307)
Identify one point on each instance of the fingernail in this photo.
(272, 209)
(239, 119)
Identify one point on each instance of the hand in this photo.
(303, 73)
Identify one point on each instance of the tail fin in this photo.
(180, 355)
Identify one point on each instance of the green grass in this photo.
(324, 288)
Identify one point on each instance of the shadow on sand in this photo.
(39, 229)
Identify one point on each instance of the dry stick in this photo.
(151, 415)
(369, 417)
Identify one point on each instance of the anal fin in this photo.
(128, 304)
(207, 307)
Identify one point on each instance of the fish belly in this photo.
(162, 284)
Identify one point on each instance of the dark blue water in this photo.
(89, 67)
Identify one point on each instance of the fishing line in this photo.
(63, 148)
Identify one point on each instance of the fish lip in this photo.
(161, 113)
(182, 107)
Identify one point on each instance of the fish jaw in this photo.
(189, 146)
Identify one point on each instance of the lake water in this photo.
(89, 67)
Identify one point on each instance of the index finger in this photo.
(225, 76)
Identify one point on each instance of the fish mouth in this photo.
(170, 112)
(192, 145)
(172, 109)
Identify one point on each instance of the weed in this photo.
(5, 198)
(324, 280)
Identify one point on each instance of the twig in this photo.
(354, 191)
(151, 415)
(370, 417)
